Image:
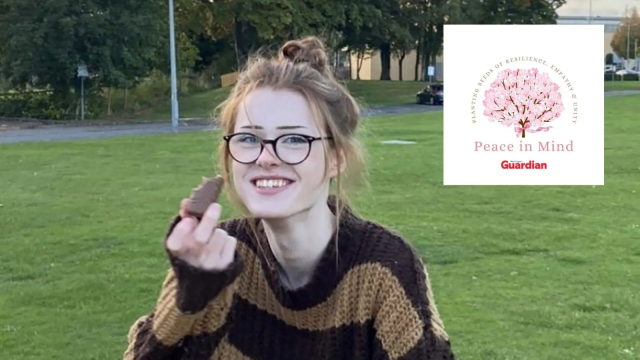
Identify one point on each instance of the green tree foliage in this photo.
(42, 43)
(124, 41)
(514, 11)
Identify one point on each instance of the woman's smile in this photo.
(271, 185)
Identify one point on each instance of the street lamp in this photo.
(174, 85)
(636, 56)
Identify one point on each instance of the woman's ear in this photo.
(337, 163)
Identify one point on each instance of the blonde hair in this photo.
(301, 66)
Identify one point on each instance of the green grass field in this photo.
(369, 93)
(519, 273)
(621, 85)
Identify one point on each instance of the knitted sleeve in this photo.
(408, 325)
(190, 313)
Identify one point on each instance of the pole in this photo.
(174, 86)
(82, 98)
(626, 15)
(590, 10)
(635, 55)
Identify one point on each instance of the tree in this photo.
(624, 39)
(360, 20)
(608, 59)
(435, 14)
(399, 21)
(42, 43)
(263, 25)
(525, 99)
(516, 11)
(401, 47)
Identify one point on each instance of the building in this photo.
(371, 67)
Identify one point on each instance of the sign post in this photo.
(82, 74)
(431, 71)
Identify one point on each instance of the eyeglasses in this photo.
(291, 149)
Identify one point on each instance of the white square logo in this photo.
(525, 105)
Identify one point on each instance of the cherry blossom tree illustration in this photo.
(524, 98)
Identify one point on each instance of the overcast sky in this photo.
(600, 7)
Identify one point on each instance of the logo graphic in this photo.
(524, 98)
(530, 112)
(514, 164)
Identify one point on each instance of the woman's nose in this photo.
(268, 157)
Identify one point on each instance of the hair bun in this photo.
(310, 50)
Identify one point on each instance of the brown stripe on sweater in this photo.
(396, 254)
(266, 337)
(339, 256)
(129, 353)
(143, 344)
(356, 299)
(170, 324)
(399, 326)
(226, 351)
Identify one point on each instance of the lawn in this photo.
(621, 85)
(548, 273)
(369, 93)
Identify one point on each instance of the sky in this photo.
(599, 7)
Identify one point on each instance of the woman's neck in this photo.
(299, 241)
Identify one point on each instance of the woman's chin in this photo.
(267, 208)
(265, 212)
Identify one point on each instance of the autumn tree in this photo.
(625, 37)
(524, 98)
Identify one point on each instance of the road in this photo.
(57, 133)
(53, 133)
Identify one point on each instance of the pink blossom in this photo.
(525, 98)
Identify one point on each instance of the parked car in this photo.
(626, 72)
(432, 94)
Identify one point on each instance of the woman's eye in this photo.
(294, 139)
(247, 138)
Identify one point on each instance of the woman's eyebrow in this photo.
(286, 127)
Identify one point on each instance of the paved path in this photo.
(56, 133)
(53, 133)
(621, 93)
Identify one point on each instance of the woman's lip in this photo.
(255, 179)
(271, 190)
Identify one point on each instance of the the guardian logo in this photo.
(520, 165)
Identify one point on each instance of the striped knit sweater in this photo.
(370, 298)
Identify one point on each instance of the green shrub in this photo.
(627, 77)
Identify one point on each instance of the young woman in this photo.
(302, 276)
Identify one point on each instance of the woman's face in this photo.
(270, 187)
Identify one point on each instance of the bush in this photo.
(43, 105)
(154, 90)
(627, 77)
(30, 105)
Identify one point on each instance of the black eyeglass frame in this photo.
(274, 142)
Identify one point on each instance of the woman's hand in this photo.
(201, 244)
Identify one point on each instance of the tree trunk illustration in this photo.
(523, 129)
